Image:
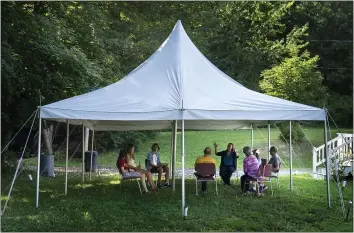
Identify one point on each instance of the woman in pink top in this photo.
(250, 167)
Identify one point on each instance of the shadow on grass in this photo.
(105, 204)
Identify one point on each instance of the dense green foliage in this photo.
(196, 141)
(112, 141)
(301, 51)
(297, 135)
(105, 205)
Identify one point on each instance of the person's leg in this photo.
(229, 171)
(159, 171)
(243, 180)
(150, 180)
(223, 173)
(204, 186)
(166, 169)
(142, 178)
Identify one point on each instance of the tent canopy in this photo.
(177, 82)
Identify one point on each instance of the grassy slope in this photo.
(196, 141)
(106, 205)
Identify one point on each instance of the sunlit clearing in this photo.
(45, 190)
(83, 185)
(86, 215)
(32, 217)
(4, 198)
(114, 182)
(108, 174)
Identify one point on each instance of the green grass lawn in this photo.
(196, 141)
(105, 204)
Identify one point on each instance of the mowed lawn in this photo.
(104, 204)
(196, 141)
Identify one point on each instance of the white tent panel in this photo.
(176, 82)
(158, 125)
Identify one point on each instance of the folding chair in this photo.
(205, 172)
(276, 176)
(124, 178)
(266, 174)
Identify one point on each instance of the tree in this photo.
(330, 36)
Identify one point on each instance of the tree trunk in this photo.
(48, 137)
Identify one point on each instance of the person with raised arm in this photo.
(228, 163)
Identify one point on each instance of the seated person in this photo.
(131, 170)
(228, 163)
(250, 168)
(275, 160)
(156, 166)
(256, 153)
(205, 159)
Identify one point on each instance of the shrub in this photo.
(9, 161)
(107, 141)
(296, 133)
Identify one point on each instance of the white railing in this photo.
(342, 144)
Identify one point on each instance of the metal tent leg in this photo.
(67, 156)
(39, 156)
(183, 181)
(291, 158)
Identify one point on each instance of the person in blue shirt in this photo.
(228, 162)
(154, 165)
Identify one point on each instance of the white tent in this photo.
(176, 84)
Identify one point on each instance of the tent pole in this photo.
(174, 155)
(67, 156)
(268, 140)
(252, 135)
(291, 158)
(93, 135)
(83, 153)
(39, 156)
(171, 156)
(327, 161)
(87, 133)
(183, 181)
